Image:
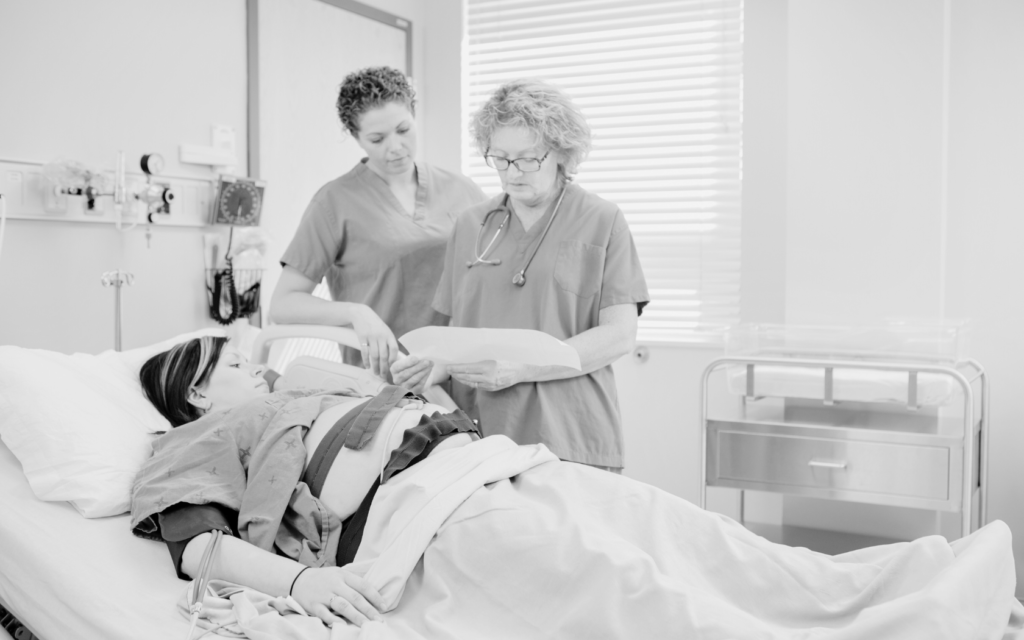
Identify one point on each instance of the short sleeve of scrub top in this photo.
(587, 262)
(356, 234)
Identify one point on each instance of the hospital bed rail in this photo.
(343, 336)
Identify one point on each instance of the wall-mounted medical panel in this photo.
(33, 194)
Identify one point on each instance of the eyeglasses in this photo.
(526, 165)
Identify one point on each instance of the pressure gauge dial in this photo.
(152, 164)
(238, 201)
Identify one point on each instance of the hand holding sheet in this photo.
(462, 345)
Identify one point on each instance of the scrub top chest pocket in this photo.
(579, 268)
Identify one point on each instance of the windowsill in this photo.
(704, 346)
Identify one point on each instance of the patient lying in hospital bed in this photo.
(458, 537)
(281, 470)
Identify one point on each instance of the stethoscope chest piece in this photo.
(519, 279)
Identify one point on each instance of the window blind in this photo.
(660, 83)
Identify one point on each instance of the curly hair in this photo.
(370, 88)
(541, 108)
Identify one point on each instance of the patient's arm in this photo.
(242, 563)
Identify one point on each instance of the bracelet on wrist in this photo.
(295, 579)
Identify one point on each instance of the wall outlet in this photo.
(12, 186)
(223, 137)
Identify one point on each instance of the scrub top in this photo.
(586, 262)
(357, 234)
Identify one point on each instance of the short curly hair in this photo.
(541, 108)
(370, 88)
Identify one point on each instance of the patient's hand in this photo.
(490, 375)
(330, 592)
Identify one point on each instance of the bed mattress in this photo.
(69, 578)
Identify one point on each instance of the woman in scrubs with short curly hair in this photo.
(378, 232)
(544, 255)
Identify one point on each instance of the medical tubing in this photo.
(212, 629)
(533, 253)
(221, 279)
(481, 258)
(205, 566)
(202, 582)
(208, 569)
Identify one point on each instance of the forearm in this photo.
(298, 307)
(242, 563)
(598, 347)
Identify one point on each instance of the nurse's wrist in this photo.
(350, 313)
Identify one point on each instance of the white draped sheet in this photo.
(566, 551)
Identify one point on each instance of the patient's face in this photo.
(233, 381)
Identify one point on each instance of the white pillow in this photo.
(80, 424)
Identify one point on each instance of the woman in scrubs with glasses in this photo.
(544, 255)
(378, 232)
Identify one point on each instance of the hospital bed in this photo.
(891, 415)
(68, 577)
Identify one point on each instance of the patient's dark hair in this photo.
(168, 377)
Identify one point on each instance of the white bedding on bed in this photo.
(567, 551)
(69, 578)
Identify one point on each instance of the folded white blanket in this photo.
(561, 550)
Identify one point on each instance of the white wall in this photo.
(81, 81)
(864, 160)
(986, 224)
(440, 83)
(763, 240)
(83, 92)
(659, 399)
(874, 226)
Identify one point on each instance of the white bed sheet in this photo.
(851, 385)
(69, 578)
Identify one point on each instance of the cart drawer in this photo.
(896, 469)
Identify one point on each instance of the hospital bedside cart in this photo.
(897, 427)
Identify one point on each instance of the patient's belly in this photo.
(352, 473)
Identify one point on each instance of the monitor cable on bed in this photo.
(202, 581)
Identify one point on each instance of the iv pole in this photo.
(117, 279)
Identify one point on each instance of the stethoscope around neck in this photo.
(519, 279)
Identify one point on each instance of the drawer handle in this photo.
(828, 464)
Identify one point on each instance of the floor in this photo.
(822, 541)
